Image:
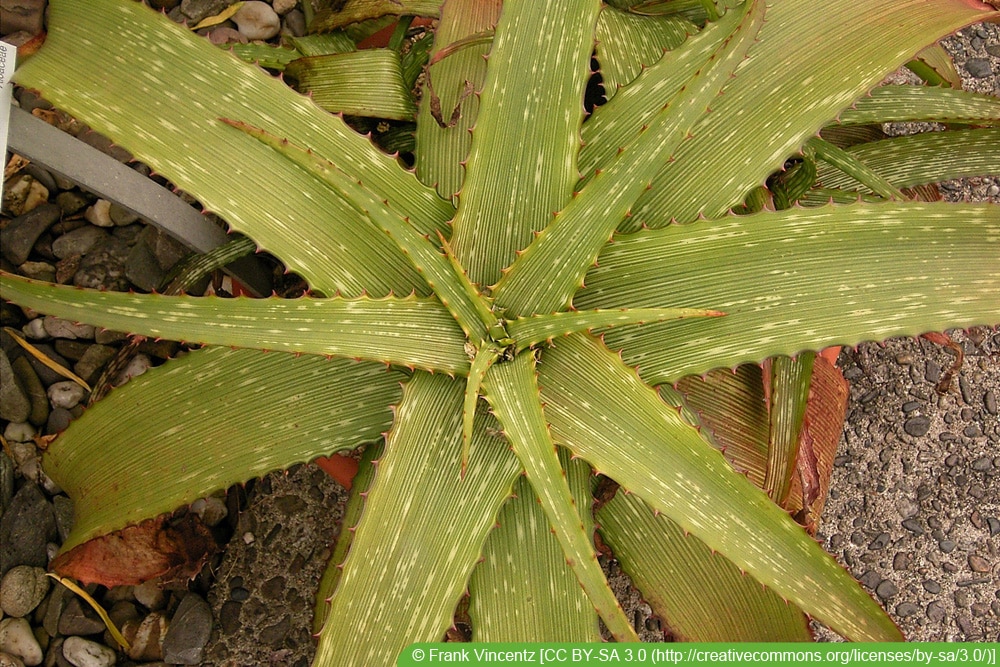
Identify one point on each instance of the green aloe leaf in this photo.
(422, 531)
(358, 83)
(888, 104)
(159, 91)
(548, 273)
(849, 164)
(626, 43)
(601, 410)
(115, 465)
(769, 109)
(451, 80)
(264, 55)
(788, 383)
(413, 332)
(535, 329)
(798, 279)
(452, 286)
(935, 67)
(352, 515)
(698, 594)
(928, 157)
(523, 590)
(513, 394)
(522, 164)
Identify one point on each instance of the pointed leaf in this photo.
(408, 332)
(771, 106)
(935, 66)
(159, 91)
(535, 329)
(787, 388)
(888, 104)
(628, 42)
(602, 411)
(798, 279)
(450, 284)
(358, 83)
(523, 590)
(548, 273)
(522, 164)
(700, 595)
(114, 467)
(422, 531)
(928, 157)
(849, 164)
(441, 151)
(513, 394)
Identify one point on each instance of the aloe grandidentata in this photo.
(686, 137)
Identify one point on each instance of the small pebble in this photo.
(913, 526)
(979, 564)
(932, 587)
(16, 638)
(66, 394)
(947, 546)
(256, 20)
(935, 611)
(99, 214)
(906, 609)
(146, 637)
(917, 426)
(189, 631)
(150, 595)
(60, 328)
(82, 652)
(886, 589)
(78, 241)
(979, 68)
(77, 619)
(982, 464)
(22, 589)
(879, 542)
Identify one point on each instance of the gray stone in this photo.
(257, 20)
(189, 631)
(63, 508)
(22, 589)
(71, 202)
(142, 269)
(917, 426)
(66, 394)
(57, 327)
(19, 236)
(122, 216)
(979, 67)
(196, 10)
(34, 390)
(15, 405)
(38, 271)
(25, 529)
(92, 362)
(886, 589)
(78, 619)
(78, 241)
(103, 266)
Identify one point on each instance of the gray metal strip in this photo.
(106, 177)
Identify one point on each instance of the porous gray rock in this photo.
(20, 235)
(22, 589)
(25, 528)
(189, 631)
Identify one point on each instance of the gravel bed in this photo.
(914, 510)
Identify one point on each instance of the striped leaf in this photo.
(159, 91)
(523, 591)
(548, 273)
(627, 43)
(422, 531)
(179, 432)
(513, 394)
(340, 14)
(522, 164)
(929, 157)
(798, 279)
(358, 83)
(888, 104)
(603, 412)
(800, 74)
(698, 594)
(457, 71)
(412, 332)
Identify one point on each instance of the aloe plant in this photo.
(569, 270)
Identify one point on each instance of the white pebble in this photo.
(19, 432)
(100, 214)
(8, 660)
(283, 6)
(85, 653)
(256, 20)
(140, 364)
(17, 639)
(66, 394)
(57, 327)
(35, 329)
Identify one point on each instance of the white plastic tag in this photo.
(8, 54)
